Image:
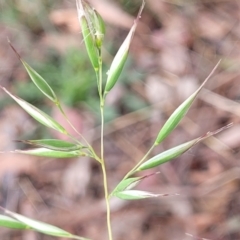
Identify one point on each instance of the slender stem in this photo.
(105, 183)
(109, 227)
(94, 155)
(140, 162)
(105, 177)
(69, 122)
(102, 130)
(137, 165)
(101, 105)
(98, 73)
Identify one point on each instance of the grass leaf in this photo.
(167, 155)
(129, 183)
(54, 144)
(45, 152)
(136, 194)
(180, 112)
(176, 151)
(42, 227)
(37, 114)
(126, 184)
(121, 56)
(8, 222)
(37, 79)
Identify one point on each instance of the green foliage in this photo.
(46, 152)
(120, 58)
(69, 75)
(18, 221)
(180, 112)
(167, 155)
(8, 222)
(135, 195)
(37, 114)
(54, 144)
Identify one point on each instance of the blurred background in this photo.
(177, 44)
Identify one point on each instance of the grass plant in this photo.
(93, 30)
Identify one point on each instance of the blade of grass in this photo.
(42, 227)
(38, 80)
(180, 112)
(37, 114)
(53, 144)
(176, 151)
(45, 152)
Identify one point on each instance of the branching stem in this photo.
(94, 155)
(140, 162)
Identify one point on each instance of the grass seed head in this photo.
(93, 30)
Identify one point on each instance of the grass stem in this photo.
(109, 227)
(94, 155)
(140, 162)
(105, 183)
